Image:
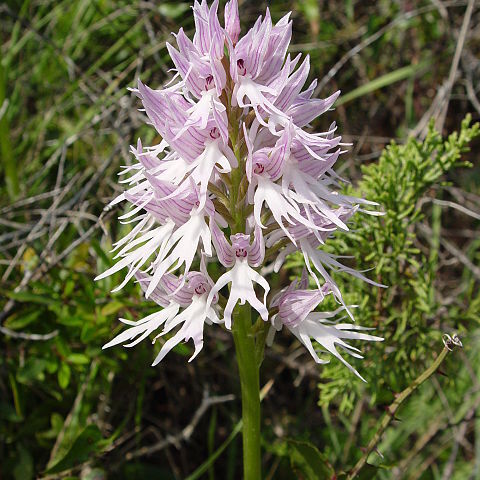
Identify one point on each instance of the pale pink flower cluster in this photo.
(237, 108)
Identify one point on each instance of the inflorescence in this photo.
(235, 160)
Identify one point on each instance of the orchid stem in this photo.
(250, 385)
(243, 334)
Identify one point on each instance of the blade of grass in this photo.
(211, 441)
(383, 81)
(7, 158)
(205, 466)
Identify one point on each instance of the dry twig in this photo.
(185, 434)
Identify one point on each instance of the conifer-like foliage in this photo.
(403, 246)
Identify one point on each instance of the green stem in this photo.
(248, 350)
(250, 386)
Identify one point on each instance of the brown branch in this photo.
(185, 433)
(450, 343)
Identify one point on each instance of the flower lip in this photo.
(258, 168)
(241, 253)
(240, 244)
(200, 289)
(198, 284)
(242, 70)
(209, 83)
(214, 133)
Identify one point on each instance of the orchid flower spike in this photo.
(237, 160)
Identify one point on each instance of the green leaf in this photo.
(30, 297)
(56, 421)
(16, 322)
(173, 10)
(62, 346)
(64, 373)
(69, 288)
(100, 252)
(7, 412)
(71, 320)
(32, 370)
(87, 442)
(23, 469)
(78, 359)
(112, 307)
(7, 157)
(88, 332)
(368, 472)
(306, 458)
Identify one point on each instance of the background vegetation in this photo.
(69, 409)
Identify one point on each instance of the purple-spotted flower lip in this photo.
(209, 83)
(242, 70)
(198, 283)
(241, 247)
(258, 168)
(240, 255)
(214, 133)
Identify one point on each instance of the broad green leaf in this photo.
(86, 443)
(88, 332)
(71, 320)
(78, 359)
(306, 458)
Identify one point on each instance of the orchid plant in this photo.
(237, 178)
